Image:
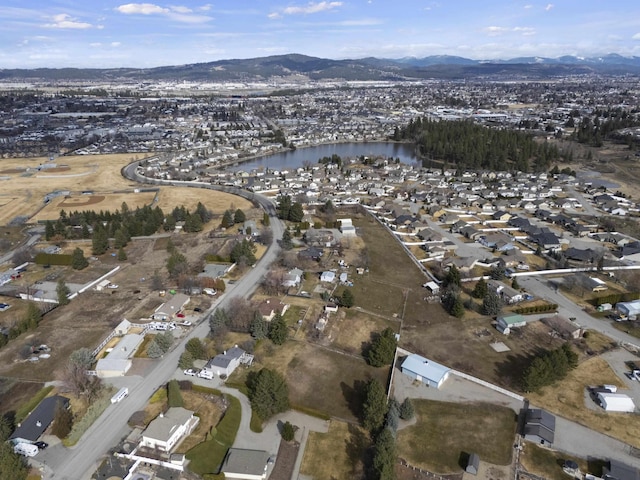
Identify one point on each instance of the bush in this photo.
(406, 409)
(174, 397)
(288, 432)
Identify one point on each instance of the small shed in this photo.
(473, 464)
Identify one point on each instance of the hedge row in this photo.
(614, 298)
(53, 259)
(547, 307)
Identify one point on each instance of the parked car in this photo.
(41, 445)
(112, 285)
(197, 309)
(191, 372)
(180, 315)
(186, 323)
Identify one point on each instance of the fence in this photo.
(488, 385)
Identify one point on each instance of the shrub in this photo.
(288, 432)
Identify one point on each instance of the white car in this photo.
(112, 285)
(191, 372)
(186, 323)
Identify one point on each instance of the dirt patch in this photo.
(285, 461)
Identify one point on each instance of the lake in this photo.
(296, 158)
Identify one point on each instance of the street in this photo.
(80, 461)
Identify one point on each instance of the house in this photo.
(269, 307)
(563, 327)
(168, 429)
(311, 253)
(320, 237)
(32, 427)
(631, 310)
(539, 426)
(620, 471)
(292, 278)
(117, 362)
(249, 227)
(328, 276)
(216, 270)
(228, 361)
(546, 240)
(346, 227)
(331, 308)
(170, 309)
(508, 294)
(432, 287)
(507, 322)
(616, 402)
(596, 284)
(426, 371)
(245, 464)
(473, 465)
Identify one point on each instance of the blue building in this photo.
(429, 372)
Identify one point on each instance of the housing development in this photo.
(290, 278)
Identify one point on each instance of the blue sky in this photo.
(106, 33)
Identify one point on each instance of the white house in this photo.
(427, 371)
(227, 362)
(167, 430)
(346, 227)
(328, 277)
(118, 361)
(245, 464)
(616, 402)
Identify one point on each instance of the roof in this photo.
(542, 417)
(126, 347)
(248, 462)
(425, 368)
(223, 360)
(162, 427)
(174, 304)
(511, 319)
(621, 471)
(539, 431)
(113, 364)
(39, 419)
(616, 401)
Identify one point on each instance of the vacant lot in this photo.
(24, 190)
(344, 443)
(548, 463)
(352, 331)
(568, 400)
(445, 433)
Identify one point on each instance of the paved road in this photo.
(540, 287)
(82, 460)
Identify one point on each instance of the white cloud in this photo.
(364, 22)
(116, 44)
(525, 30)
(494, 31)
(65, 21)
(311, 7)
(142, 9)
(180, 9)
(95, 44)
(527, 7)
(549, 6)
(636, 36)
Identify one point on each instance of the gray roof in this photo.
(621, 471)
(223, 360)
(162, 427)
(39, 419)
(248, 462)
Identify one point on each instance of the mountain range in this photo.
(314, 68)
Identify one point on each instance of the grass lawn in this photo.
(548, 463)
(209, 414)
(568, 400)
(632, 328)
(207, 457)
(445, 431)
(351, 330)
(310, 369)
(345, 444)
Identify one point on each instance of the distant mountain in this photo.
(314, 68)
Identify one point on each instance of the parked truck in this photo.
(26, 449)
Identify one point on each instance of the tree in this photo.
(287, 241)
(268, 393)
(374, 407)
(169, 223)
(78, 262)
(122, 255)
(218, 321)
(497, 273)
(12, 465)
(49, 231)
(480, 289)
(100, 240)
(6, 427)
(121, 238)
(154, 350)
(174, 397)
(177, 264)
(62, 292)
(227, 219)
(259, 328)
(76, 380)
(243, 251)
(288, 431)
(406, 409)
(239, 216)
(193, 223)
(382, 349)
(384, 456)
(197, 349)
(284, 207)
(347, 299)
(278, 330)
(186, 360)
(62, 421)
(33, 316)
(515, 284)
(296, 214)
(83, 357)
(492, 304)
(452, 277)
(266, 221)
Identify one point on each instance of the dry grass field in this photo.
(569, 401)
(548, 463)
(445, 433)
(24, 187)
(351, 331)
(344, 443)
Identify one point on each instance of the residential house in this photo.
(508, 322)
(269, 307)
(225, 363)
(564, 327)
(346, 227)
(546, 241)
(292, 278)
(508, 294)
(539, 427)
(170, 309)
(617, 470)
(32, 427)
(426, 371)
(167, 430)
(244, 464)
(311, 253)
(328, 277)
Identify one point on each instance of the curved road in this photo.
(81, 461)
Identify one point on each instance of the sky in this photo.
(109, 34)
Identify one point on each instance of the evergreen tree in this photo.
(406, 409)
(185, 361)
(121, 238)
(288, 431)
(347, 299)
(169, 224)
(62, 292)
(174, 397)
(62, 421)
(266, 221)
(278, 330)
(284, 207)
(259, 328)
(193, 223)
(452, 277)
(491, 304)
(227, 219)
(382, 349)
(12, 465)
(268, 393)
(374, 407)
(218, 321)
(480, 289)
(287, 241)
(296, 214)
(384, 456)
(49, 232)
(515, 284)
(122, 255)
(197, 349)
(78, 262)
(100, 240)
(239, 216)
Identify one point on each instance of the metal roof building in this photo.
(427, 371)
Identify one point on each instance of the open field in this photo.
(446, 433)
(310, 369)
(15, 394)
(344, 443)
(351, 331)
(23, 192)
(568, 400)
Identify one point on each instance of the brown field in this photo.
(345, 444)
(99, 173)
(351, 331)
(568, 400)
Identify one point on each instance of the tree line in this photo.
(467, 145)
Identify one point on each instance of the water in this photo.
(296, 158)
